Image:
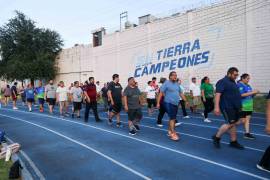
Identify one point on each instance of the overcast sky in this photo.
(74, 20)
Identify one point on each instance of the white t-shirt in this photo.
(76, 94)
(62, 93)
(151, 92)
(195, 89)
(98, 88)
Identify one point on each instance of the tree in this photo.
(27, 52)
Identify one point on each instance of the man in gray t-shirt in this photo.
(50, 95)
(132, 105)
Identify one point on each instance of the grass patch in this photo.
(4, 169)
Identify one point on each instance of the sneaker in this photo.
(66, 114)
(178, 124)
(15, 108)
(119, 125)
(132, 132)
(110, 122)
(202, 114)
(160, 125)
(137, 127)
(186, 117)
(207, 120)
(236, 145)
(263, 168)
(72, 115)
(61, 116)
(248, 136)
(216, 141)
(174, 136)
(169, 133)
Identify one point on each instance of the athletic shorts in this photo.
(41, 101)
(171, 110)
(51, 101)
(116, 108)
(134, 114)
(151, 102)
(77, 106)
(14, 98)
(196, 100)
(30, 100)
(244, 114)
(231, 115)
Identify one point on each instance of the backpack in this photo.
(15, 170)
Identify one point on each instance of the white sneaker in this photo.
(15, 108)
(202, 114)
(207, 120)
(178, 124)
(186, 117)
(262, 168)
(160, 125)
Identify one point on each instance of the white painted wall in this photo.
(236, 33)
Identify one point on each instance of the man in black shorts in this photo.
(115, 98)
(228, 102)
(50, 95)
(133, 105)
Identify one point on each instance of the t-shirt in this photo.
(14, 90)
(116, 90)
(62, 93)
(208, 90)
(76, 94)
(195, 89)
(171, 91)
(7, 92)
(98, 88)
(133, 97)
(247, 102)
(91, 91)
(104, 92)
(40, 92)
(230, 95)
(30, 93)
(50, 91)
(151, 92)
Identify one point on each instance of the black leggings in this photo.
(208, 106)
(183, 106)
(265, 161)
(161, 113)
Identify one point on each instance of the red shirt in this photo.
(91, 91)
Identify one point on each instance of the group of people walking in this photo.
(234, 100)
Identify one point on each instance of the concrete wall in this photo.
(235, 33)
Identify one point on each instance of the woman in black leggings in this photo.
(207, 97)
(162, 108)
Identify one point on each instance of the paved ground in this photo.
(71, 149)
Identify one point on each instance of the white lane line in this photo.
(31, 163)
(162, 147)
(151, 127)
(83, 145)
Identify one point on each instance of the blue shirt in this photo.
(230, 95)
(30, 93)
(171, 91)
(247, 102)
